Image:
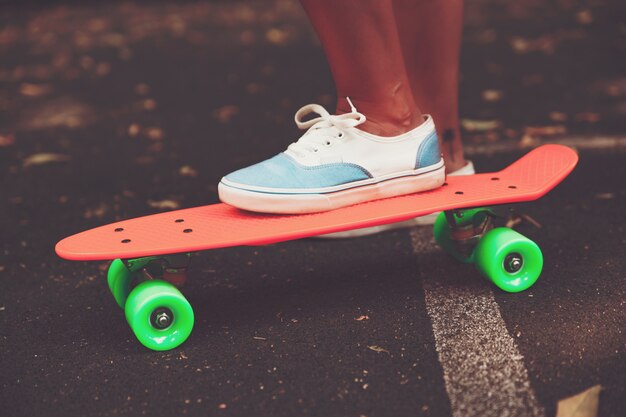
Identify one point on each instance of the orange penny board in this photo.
(219, 225)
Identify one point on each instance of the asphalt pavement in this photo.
(111, 111)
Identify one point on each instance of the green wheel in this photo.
(120, 279)
(441, 231)
(159, 315)
(510, 260)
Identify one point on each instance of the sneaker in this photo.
(427, 220)
(334, 165)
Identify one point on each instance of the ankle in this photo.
(451, 145)
(390, 126)
(454, 165)
(384, 118)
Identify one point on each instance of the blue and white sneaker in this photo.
(334, 165)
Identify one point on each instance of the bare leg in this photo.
(430, 35)
(360, 39)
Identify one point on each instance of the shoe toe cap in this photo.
(282, 172)
(269, 173)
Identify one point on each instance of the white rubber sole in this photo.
(313, 203)
(427, 220)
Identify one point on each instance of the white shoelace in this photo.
(323, 129)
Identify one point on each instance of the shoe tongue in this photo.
(322, 129)
(314, 138)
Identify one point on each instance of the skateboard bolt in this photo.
(162, 318)
(513, 262)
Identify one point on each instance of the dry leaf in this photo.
(267, 70)
(587, 117)
(187, 171)
(247, 37)
(557, 116)
(144, 160)
(97, 24)
(63, 112)
(226, 113)
(103, 69)
(614, 88)
(164, 204)
(44, 158)
(87, 62)
(177, 25)
(7, 140)
(520, 45)
(511, 133)
(517, 218)
(116, 40)
(545, 44)
(529, 141)
(584, 404)
(531, 220)
(243, 14)
(377, 349)
(532, 79)
(491, 96)
(512, 222)
(155, 147)
(149, 104)
(154, 133)
(96, 212)
(277, 36)
(61, 60)
(486, 36)
(479, 125)
(142, 89)
(134, 129)
(361, 318)
(254, 88)
(35, 90)
(584, 17)
(125, 54)
(545, 130)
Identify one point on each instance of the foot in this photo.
(427, 220)
(335, 164)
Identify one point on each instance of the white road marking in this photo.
(484, 372)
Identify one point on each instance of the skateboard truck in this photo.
(171, 268)
(467, 227)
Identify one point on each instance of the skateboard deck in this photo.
(219, 225)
